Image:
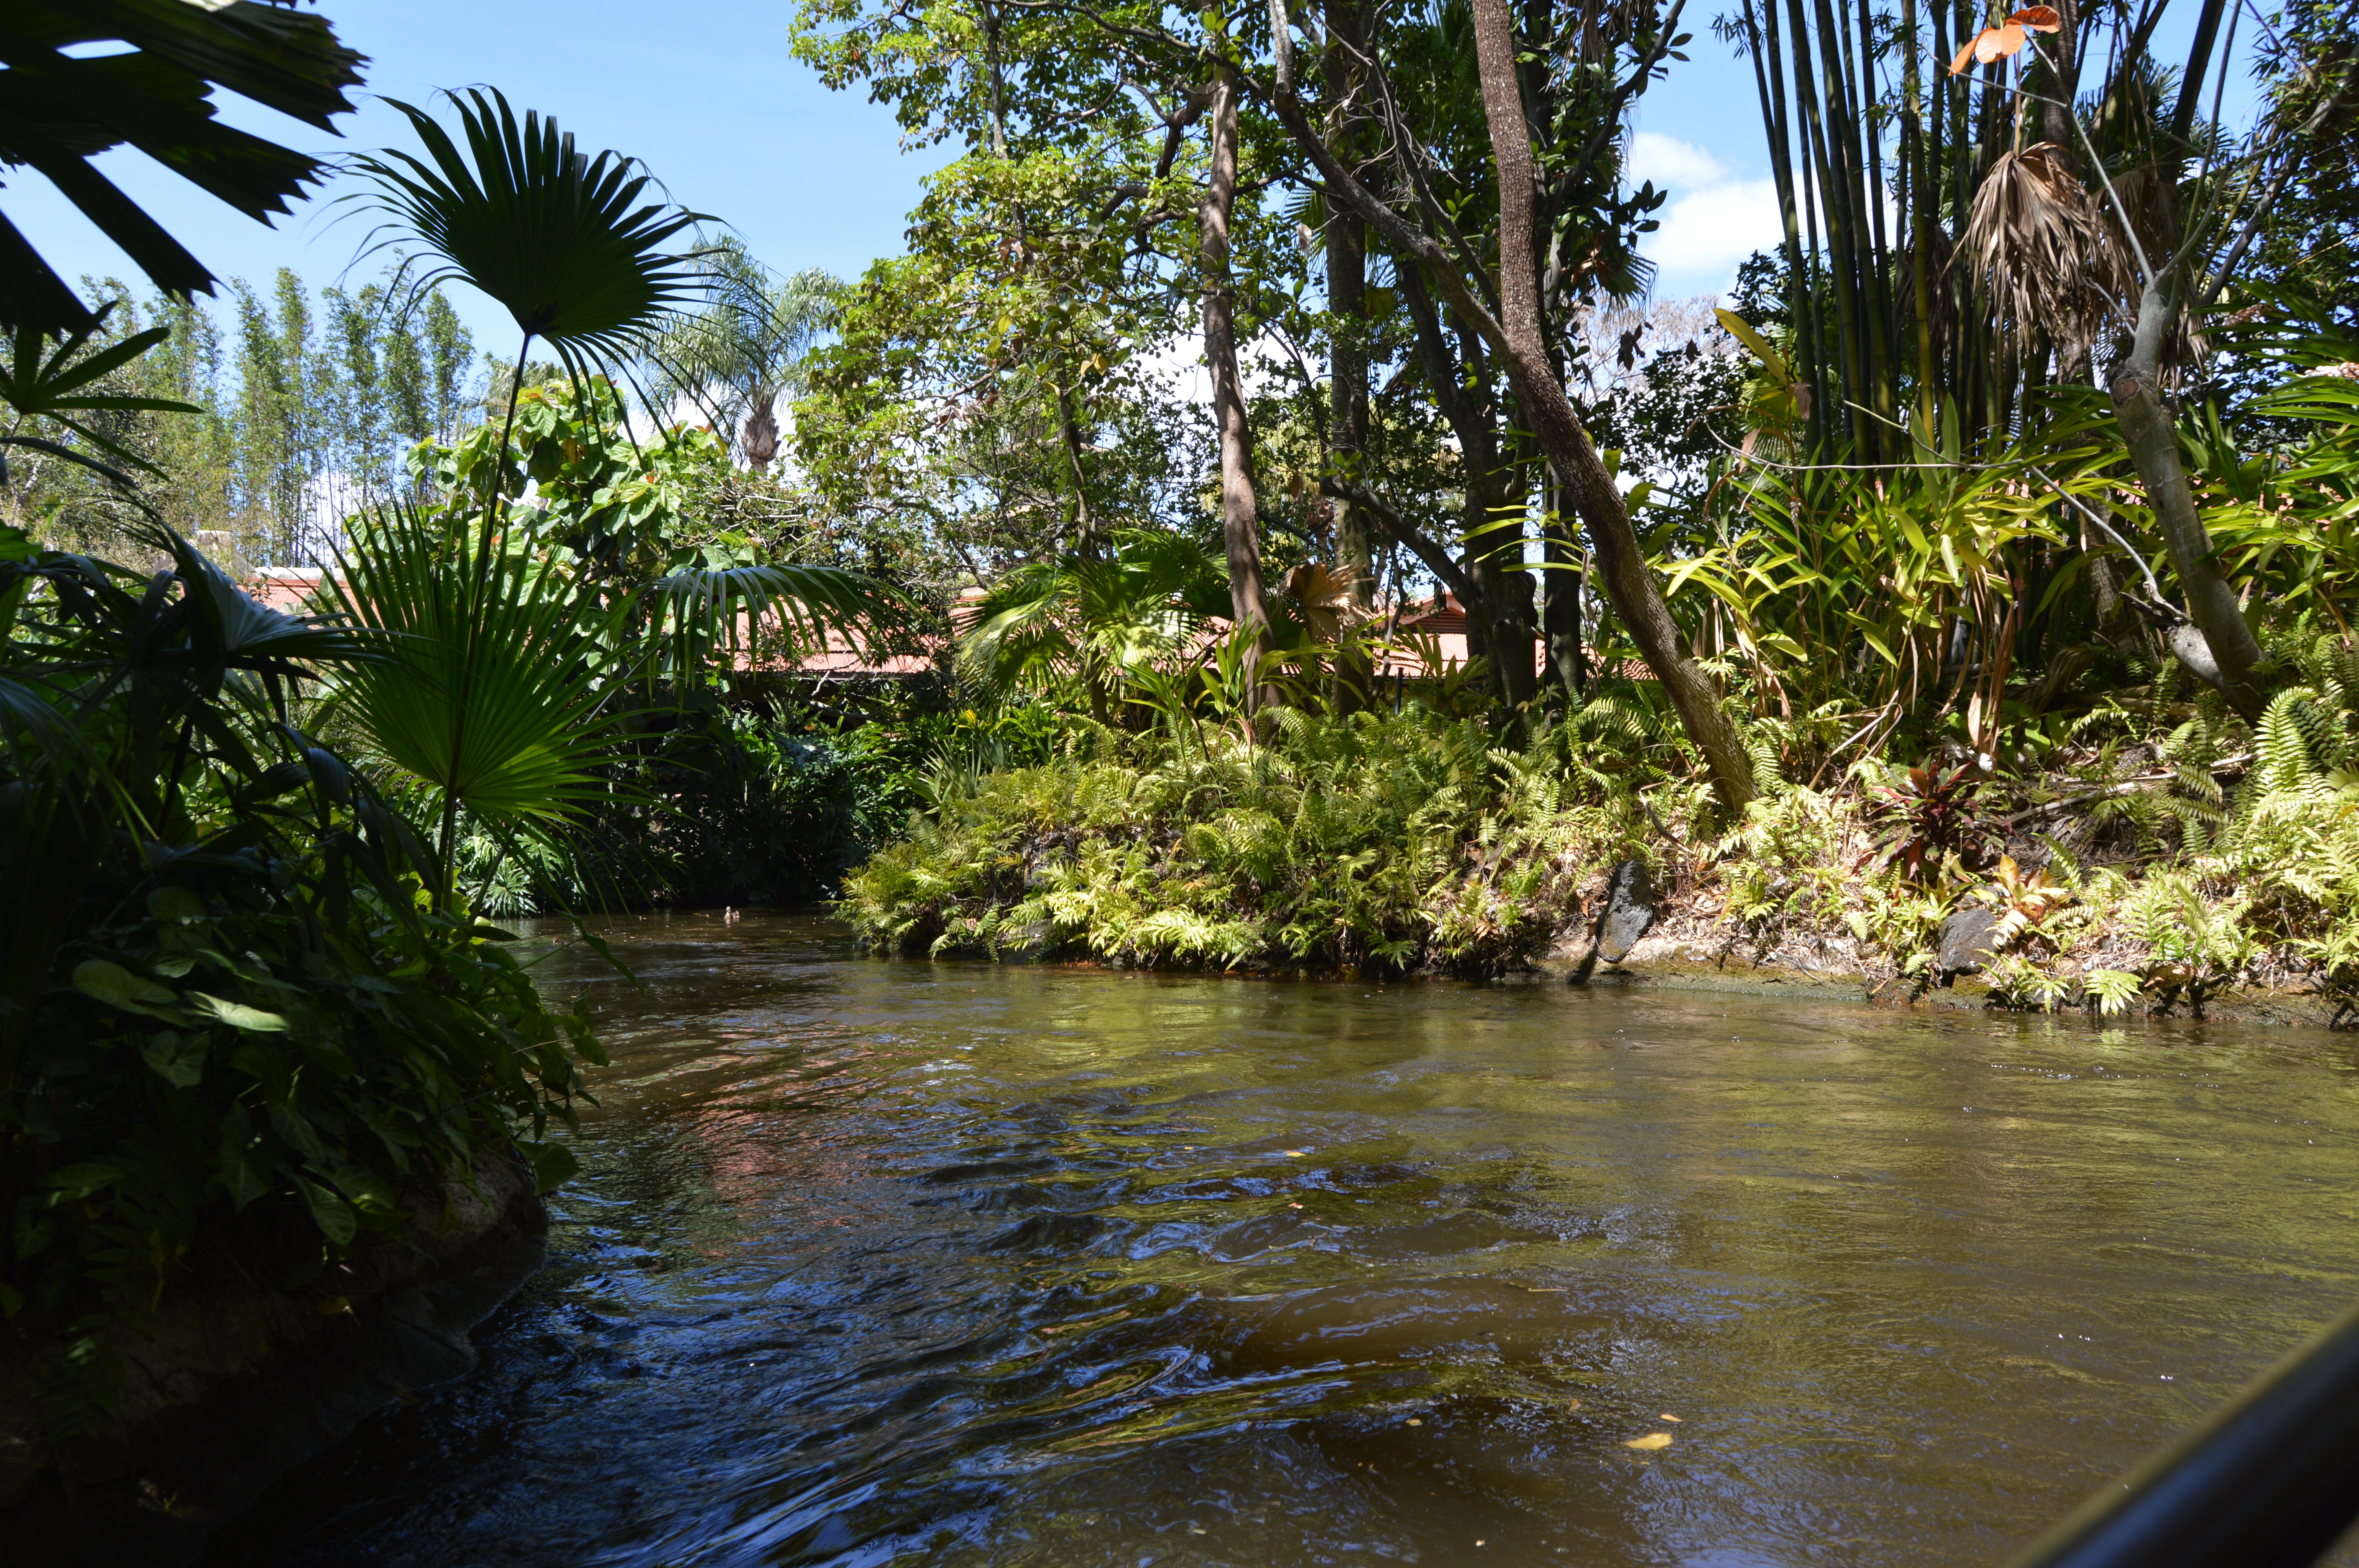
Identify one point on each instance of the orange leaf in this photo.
(1965, 54)
(1998, 43)
(2039, 19)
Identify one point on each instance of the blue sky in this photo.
(707, 92)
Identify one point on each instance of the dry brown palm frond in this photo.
(2153, 207)
(1325, 595)
(2046, 258)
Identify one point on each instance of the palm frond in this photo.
(569, 244)
(698, 613)
(532, 676)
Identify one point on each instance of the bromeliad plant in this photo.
(1929, 815)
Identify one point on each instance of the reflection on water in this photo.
(877, 1262)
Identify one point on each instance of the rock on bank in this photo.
(227, 1388)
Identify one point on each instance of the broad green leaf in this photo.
(179, 1060)
(119, 987)
(1741, 330)
(553, 1165)
(329, 1212)
(75, 1182)
(237, 1015)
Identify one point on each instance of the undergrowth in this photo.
(2139, 856)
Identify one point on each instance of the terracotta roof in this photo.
(292, 588)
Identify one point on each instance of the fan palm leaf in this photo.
(65, 105)
(694, 614)
(505, 715)
(569, 244)
(573, 249)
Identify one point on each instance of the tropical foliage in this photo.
(248, 1008)
(234, 1025)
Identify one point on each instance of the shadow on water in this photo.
(876, 1262)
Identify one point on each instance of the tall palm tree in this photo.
(735, 359)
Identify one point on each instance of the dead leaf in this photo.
(1998, 43)
(1668, 1416)
(1415, 1422)
(1993, 43)
(2039, 19)
(1651, 1441)
(1572, 1404)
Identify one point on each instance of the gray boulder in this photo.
(1968, 939)
(1629, 911)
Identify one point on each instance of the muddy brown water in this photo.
(887, 1262)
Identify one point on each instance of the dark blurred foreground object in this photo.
(2270, 1480)
(62, 111)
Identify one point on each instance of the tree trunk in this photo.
(1621, 564)
(2153, 436)
(1240, 529)
(1561, 602)
(1347, 362)
(1620, 561)
(1086, 540)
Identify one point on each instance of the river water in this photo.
(880, 1262)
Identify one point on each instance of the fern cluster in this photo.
(1380, 842)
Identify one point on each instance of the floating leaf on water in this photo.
(1653, 1440)
(1572, 1404)
(1296, 1153)
(1668, 1416)
(1415, 1422)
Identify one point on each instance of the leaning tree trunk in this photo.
(1622, 563)
(1622, 566)
(1240, 530)
(2153, 437)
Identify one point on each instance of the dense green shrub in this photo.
(2152, 849)
(235, 1021)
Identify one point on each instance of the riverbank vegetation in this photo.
(254, 1015)
(1990, 546)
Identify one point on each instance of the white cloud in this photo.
(1672, 164)
(1707, 232)
(1713, 221)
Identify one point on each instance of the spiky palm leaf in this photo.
(565, 242)
(61, 110)
(696, 614)
(1142, 601)
(60, 386)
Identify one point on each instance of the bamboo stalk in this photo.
(1918, 156)
(1827, 139)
